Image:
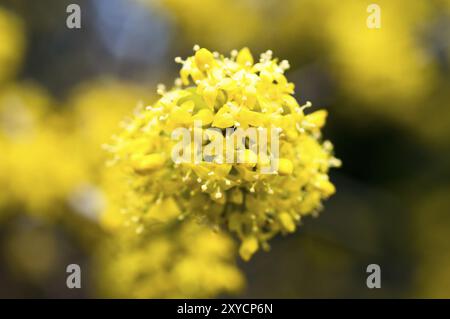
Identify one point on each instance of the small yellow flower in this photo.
(248, 248)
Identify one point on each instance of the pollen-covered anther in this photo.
(161, 89)
(284, 65)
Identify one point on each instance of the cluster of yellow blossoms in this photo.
(223, 93)
(175, 260)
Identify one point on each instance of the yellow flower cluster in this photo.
(223, 93)
(183, 260)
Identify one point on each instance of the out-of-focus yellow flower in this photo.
(23, 106)
(12, 44)
(226, 93)
(214, 22)
(39, 165)
(43, 169)
(381, 65)
(96, 109)
(21, 109)
(182, 260)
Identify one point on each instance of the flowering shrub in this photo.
(225, 93)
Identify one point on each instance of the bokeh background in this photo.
(63, 92)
